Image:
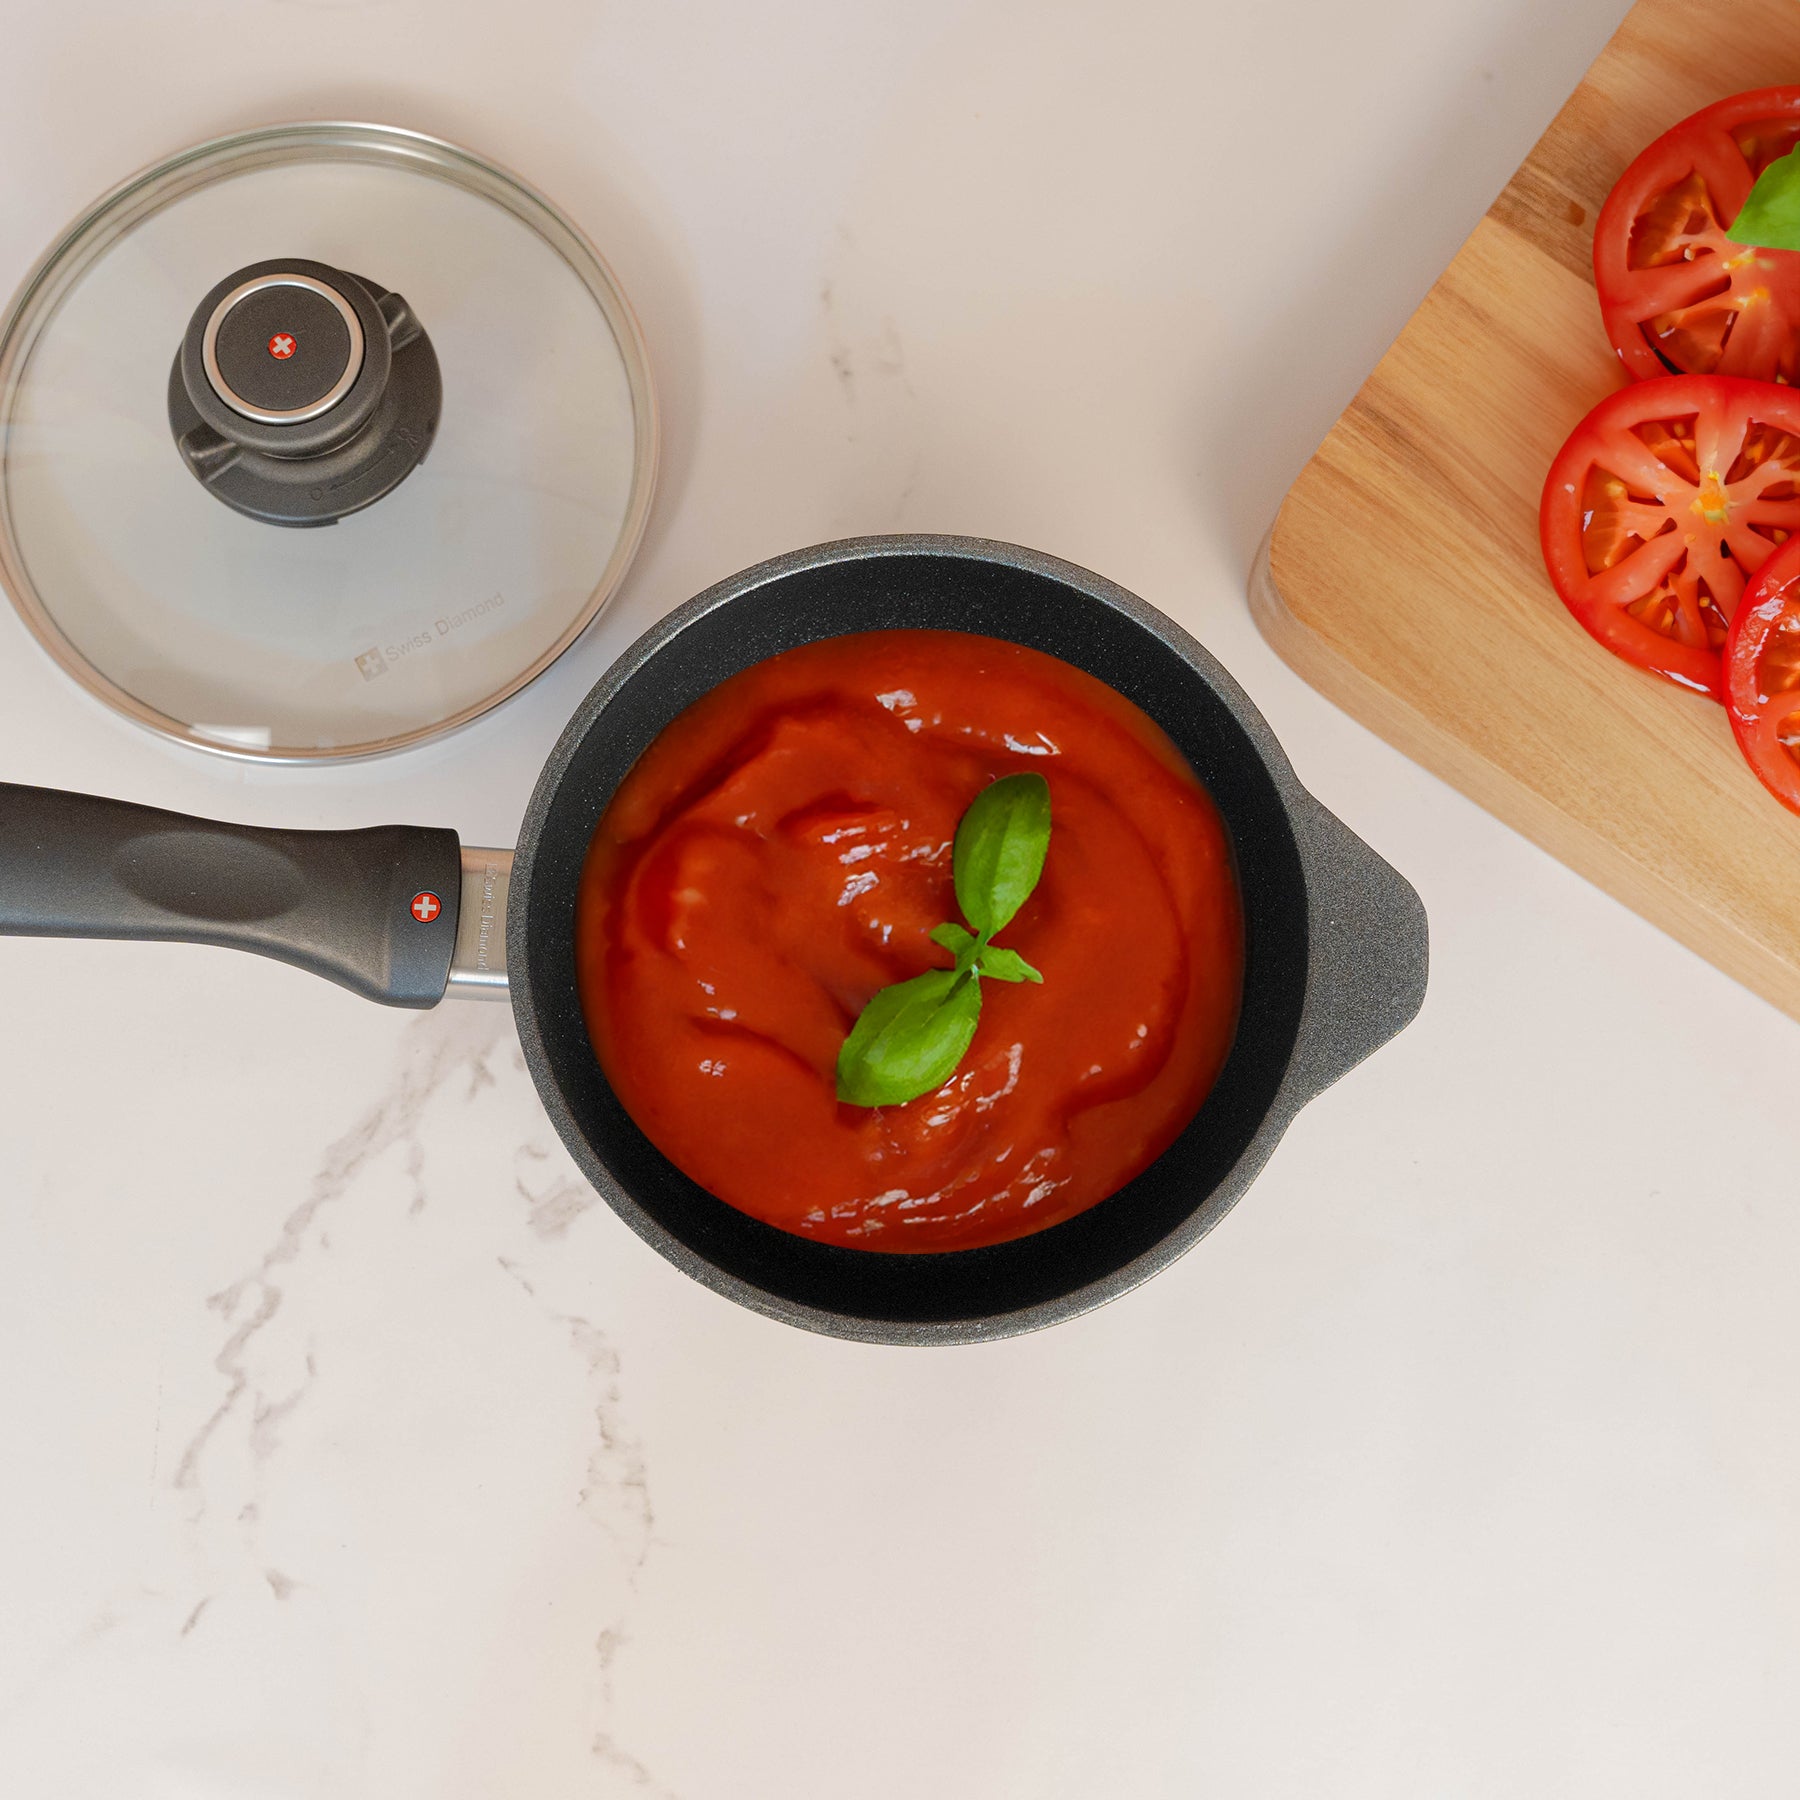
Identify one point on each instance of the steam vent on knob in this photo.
(301, 394)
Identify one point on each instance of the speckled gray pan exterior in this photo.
(1335, 940)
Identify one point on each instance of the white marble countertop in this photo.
(351, 1449)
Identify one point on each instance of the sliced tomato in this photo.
(1678, 296)
(1668, 497)
(1762, 675)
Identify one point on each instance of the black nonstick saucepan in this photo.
(1335, 940)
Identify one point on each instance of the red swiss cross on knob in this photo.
(426, 907)
(281, 346)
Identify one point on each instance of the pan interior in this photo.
(996, 599)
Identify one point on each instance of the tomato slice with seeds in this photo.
(1668, 497)
(1762, 675)
(1677, 294)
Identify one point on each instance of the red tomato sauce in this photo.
(783, 850)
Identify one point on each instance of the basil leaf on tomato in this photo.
(1770, 218)
(1679, 293)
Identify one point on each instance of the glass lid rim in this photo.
(115, 213)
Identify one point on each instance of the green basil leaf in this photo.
(953, 938)
(909, 1039)
(1770, 216)
(1004, 965)
(999, 852)
(911, 1036)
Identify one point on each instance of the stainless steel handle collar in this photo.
(478, 963)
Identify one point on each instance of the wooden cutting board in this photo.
(1402, 576)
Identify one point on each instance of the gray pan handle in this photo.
(375, 911)
(1368, 950)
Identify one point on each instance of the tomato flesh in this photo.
(1762, 675)
(1665, 501)
(1678, 296)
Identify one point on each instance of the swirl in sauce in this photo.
(783, 850)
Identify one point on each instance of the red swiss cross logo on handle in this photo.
(426, 907)
(281, 346)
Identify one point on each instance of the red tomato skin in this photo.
(1701, 142)
(1727, 406)
(1771, 602)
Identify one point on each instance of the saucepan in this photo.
(1335, 940)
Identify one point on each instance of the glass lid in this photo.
(317, 441)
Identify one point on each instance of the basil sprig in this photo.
(912, 1035)
(1769, 219)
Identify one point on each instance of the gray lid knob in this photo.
(301, 393)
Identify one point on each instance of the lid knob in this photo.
(301, 394)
